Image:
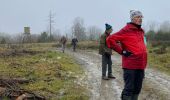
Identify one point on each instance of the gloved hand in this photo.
(126, 53)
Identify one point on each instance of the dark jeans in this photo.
(133, 81)
(106, 60)
(63, 47)
(74, 47)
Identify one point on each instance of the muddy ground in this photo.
(156, 84)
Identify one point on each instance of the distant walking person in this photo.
(74, 43)
(63, 41)
(134, 54)
(106, 54)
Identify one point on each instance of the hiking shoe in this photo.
(111, 76)
(105, 78)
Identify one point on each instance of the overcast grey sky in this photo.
(15, 14)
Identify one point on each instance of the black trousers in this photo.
(133, 80)
(74, 47)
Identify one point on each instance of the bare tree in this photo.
(78, 29)
(51, 23)
(57, 35)
(18, 38)
(94, 33)
(165, 27)
(5, 38)
(152, 26)
(26, 38)
(34, 38)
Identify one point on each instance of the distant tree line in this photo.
(77, 30)
(162, 34)
(159, 38)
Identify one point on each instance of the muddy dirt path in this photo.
(156, 84)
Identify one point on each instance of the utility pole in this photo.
(50, 24)
(51, 21)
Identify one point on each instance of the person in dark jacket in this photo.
(106, 54)
(134, 54)
(74, 43)
(63, 41)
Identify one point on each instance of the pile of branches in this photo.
(9, 88)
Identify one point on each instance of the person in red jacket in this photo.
(134, 54)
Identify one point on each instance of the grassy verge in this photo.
(159, 61)
(52, 74)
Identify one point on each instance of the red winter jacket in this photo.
(131, 39)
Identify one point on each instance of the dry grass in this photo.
(159, 61)
(52, 74)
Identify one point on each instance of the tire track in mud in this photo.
(100, 89)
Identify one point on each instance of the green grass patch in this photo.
(52, 74)
(159, 61)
